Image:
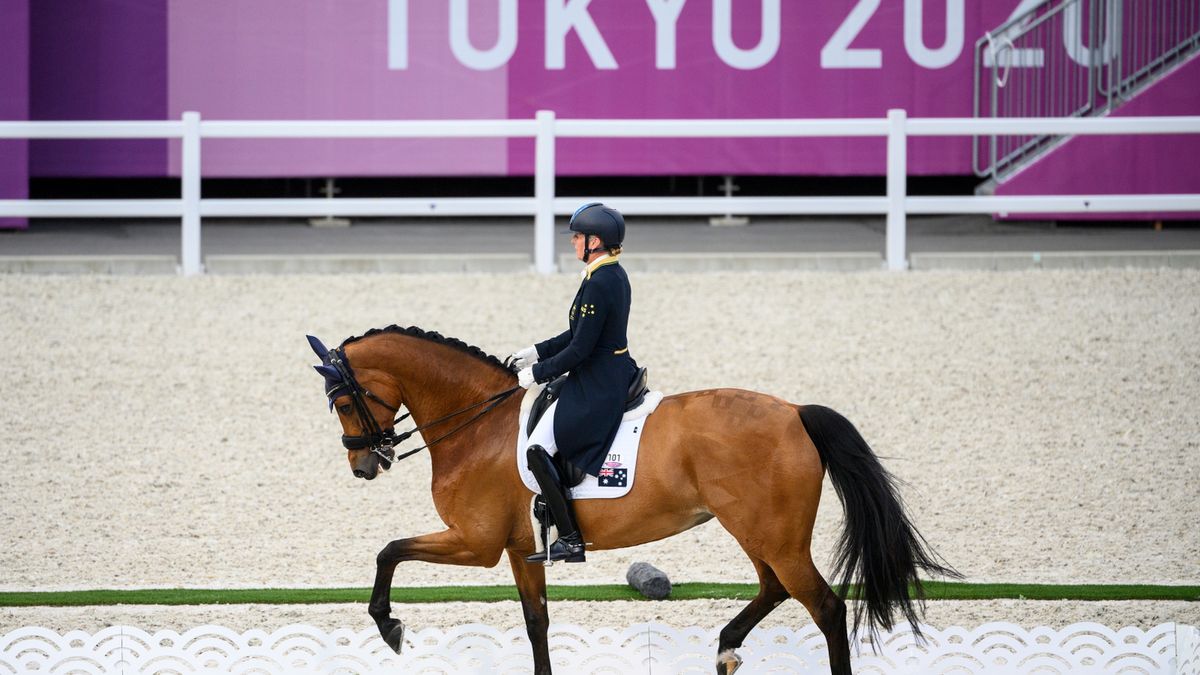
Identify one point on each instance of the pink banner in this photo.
(497, 59)
(464, 59)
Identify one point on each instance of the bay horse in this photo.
(752, 461)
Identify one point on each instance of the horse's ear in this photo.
(317, 347)
(329, 372)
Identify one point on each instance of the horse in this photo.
(752, 461)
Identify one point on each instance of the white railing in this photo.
(994, 648)
(543, 204)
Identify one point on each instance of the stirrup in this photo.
(567, 548)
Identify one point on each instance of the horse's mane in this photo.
(436, 338)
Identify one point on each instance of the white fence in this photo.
(543, 205)
(994, 648)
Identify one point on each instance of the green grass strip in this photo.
(690, 591)
(965, 591)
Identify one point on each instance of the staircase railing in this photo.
(1153, 36)
(1072, 58)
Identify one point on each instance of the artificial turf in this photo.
(934, 590)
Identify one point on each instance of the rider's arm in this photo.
(593, 308)
(554, 345)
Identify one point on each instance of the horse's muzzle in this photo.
(367, 467)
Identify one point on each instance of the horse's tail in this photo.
(879, 550)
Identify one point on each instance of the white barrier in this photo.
(994, 648)
(543, 205)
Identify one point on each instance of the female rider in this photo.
(594, 350)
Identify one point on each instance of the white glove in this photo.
(525, 378)
(525, 358)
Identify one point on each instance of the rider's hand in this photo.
(525, 378)
(525, 358)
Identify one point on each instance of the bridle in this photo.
(382, 442)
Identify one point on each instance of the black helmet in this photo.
(603, 221)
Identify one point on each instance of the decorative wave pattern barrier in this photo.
(644, 648)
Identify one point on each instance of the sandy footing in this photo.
(170, 432)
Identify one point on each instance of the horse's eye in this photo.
(344, 409)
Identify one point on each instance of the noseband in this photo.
(382, 442)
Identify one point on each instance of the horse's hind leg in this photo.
(805, 583)
(770, 593)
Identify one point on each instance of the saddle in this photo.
(568, 472)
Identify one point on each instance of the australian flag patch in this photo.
(613, 476)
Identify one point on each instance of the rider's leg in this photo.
(543, 432)
(569, 545)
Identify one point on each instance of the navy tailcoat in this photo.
(595, 351)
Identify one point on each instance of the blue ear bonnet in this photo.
(334, 382)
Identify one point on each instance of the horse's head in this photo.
(361, 400)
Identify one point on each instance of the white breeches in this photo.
(543, 433)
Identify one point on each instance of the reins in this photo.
(382, 442)
(494, 401)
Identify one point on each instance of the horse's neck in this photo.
(436, 381)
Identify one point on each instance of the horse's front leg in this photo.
(447, 548)
(531, 584)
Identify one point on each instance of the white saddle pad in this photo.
(616, 476)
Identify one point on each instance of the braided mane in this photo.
(436, 338)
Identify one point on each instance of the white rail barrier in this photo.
(544, 206)
(994, 648)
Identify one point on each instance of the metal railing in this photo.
(1073, 58)
(1151, 37)
(543, 204)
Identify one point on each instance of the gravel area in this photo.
(169, 432)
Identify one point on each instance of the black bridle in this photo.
(382, 442)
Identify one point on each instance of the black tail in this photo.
(880, 551)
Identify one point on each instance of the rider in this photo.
(594, 349)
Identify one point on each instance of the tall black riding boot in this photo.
(569, 545)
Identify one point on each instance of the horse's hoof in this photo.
(395, 637)
(727, 662)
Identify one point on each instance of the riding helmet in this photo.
(603, 221)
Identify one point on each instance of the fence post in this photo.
(189, 175)
(543, 192)
(897, 175)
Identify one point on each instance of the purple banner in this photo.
(99, 61)
(14, 101)
(327, 59)
(487, 59)
(753, 59)
(401, 59)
